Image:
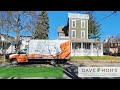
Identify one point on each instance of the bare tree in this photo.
(32, 22)
(18, 21)
(4, 30)
(15, 22)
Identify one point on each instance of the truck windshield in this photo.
(23, 51)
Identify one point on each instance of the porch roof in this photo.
(80, 40)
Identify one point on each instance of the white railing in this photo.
(86, 52)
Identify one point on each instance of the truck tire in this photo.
(14, 62)
(53, 62)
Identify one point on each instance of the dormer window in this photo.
(61, 34)
(82, 23)
(73, 23)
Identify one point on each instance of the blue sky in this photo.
(109, 26)
(56, 19)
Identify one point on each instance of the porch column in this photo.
(101, 48)
(71, 48)
(81, 48)
(91, 49)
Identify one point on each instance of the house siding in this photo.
(78, 40)
(78, 28)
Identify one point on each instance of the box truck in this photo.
(50, 50)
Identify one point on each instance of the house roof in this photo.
(79, 40)
(112, 40)
(7, 37)
(60, 29)
(78, 15)
(25, 36)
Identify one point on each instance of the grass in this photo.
(105, 57)
(31, 71)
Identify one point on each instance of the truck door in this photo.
(22, 56)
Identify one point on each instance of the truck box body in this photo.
(44, 49)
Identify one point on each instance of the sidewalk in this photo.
(95, 63)
(105, 61)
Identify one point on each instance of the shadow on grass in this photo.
(89, 57)
(72, 71)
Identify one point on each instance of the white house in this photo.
(77, 32)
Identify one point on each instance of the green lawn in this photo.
(105, 57)
(20, 71)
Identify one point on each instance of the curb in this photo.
(96, 61)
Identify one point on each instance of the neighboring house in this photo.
(77, 32)
(11, 40)
(111, 45)
(8, 40)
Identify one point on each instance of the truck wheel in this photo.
(53, 62)
(14, 62)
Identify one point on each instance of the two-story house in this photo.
(77, 32)
(111, 46)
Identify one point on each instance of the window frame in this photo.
(73, 25)
(72, 33)
(82, 25)
(81, 33)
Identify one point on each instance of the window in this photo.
(76, 45)
(73, 33)
(23, 51)
(82, 34)
(86, 45)
(73, 23)
(61, 34)
(82, 23)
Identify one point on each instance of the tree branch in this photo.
(114, 12)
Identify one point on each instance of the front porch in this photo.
(86, 49)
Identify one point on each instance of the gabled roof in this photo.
(112, 40)
(60, 29)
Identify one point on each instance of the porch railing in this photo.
(86, 51)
